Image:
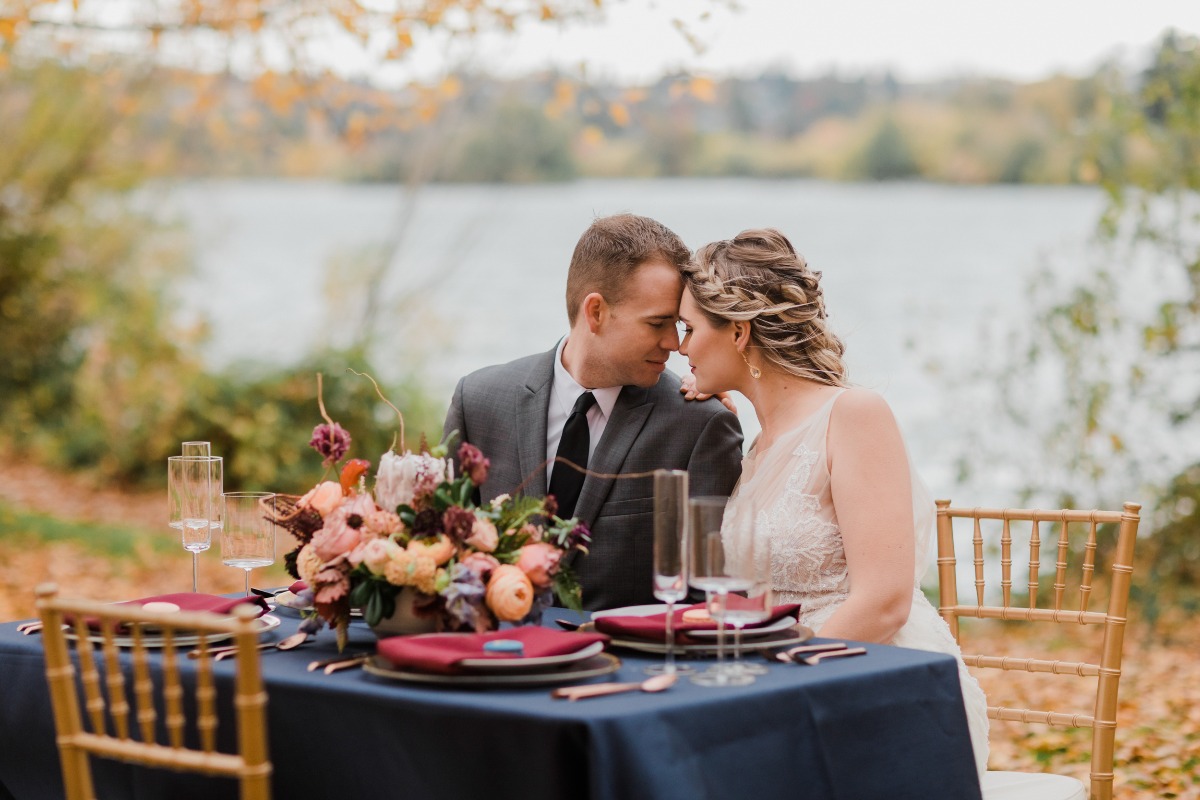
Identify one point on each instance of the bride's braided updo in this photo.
(758, 277)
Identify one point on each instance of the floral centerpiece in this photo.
(468, 566)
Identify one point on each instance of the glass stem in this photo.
(195, 574)
(720, 630)
(669, 667)
(247, 592)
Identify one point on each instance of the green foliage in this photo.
(106, 540)
(1114, 353)
(887, 156)
(515, 144)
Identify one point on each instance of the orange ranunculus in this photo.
(440, 549)
(509, 593)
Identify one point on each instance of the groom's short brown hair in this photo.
(611, 250)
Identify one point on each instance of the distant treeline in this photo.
(551, 128)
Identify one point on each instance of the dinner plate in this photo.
(524, 664)
(597, 665)
(287, 605)
(793, 634)
(781, 624)
(267, 622)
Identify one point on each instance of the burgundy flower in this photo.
(331, 441)
(458, 523)
(427, 523)
(472, 462)
(550, 505)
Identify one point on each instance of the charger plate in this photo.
(793, 635)
(602, 664)
(267, 622)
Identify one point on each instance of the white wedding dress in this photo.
(784, 493)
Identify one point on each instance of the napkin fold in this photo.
(654, 626)
(442, 652)
(189, 601)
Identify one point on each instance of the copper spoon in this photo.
(658, 683)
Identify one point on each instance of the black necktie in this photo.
(565, 481)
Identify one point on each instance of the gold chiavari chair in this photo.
(119, 731)
(1085, 525)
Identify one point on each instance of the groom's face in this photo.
(638, 333)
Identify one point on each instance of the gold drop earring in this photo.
(755, 372)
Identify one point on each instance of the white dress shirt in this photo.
(564, 391)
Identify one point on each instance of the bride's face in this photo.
(710, 350)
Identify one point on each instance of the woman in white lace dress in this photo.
(829, 479)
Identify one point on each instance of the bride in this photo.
(829, 478)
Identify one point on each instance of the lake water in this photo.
(911, 271)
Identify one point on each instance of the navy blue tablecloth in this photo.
(889, 724)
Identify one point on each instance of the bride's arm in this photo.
(872, 497)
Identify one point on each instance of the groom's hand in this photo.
(687, 388)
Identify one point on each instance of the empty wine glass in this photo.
(193, 497)
(708, 563)
(670, 555)
(751, 598)
(248, 534)
(197, 449)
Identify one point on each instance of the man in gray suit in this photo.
(603, 398)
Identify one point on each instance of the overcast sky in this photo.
(917, 39)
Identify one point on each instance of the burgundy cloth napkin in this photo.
(190, 601)
(442, 652)
(654, 626)
(297, 587)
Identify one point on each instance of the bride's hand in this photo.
(687, 388)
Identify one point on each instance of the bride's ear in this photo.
(741, 335)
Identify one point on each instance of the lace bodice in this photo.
(785, 494)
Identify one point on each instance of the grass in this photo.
(29, 528)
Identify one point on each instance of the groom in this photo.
(603, 399)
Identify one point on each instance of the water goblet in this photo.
(670, 555)
(248, 534)
(191, 484)
(709, 573)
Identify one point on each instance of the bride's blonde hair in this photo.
(758, 277)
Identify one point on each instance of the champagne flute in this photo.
(197, 449)
(248, 534)
(191, 482)
(705, 515)
(670, 555)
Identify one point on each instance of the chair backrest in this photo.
(124, 725)
(1073, 526)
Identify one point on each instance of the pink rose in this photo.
(539, 561)
(440, 549)
(323, 498)
(480, 563)
(484, 535)
(377, 553)
(335, 539)
(509, 593)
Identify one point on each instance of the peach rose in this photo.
(308, 564)
(539, 561)
(509, 593)
(440, 549)
(484, 535)
(323, 498)
(397, 569)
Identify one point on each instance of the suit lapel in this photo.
(629, 416)
(533, 404)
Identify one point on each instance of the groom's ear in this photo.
(594, 309)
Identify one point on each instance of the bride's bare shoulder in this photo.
(858, 404)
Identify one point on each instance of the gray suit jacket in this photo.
(502, 411)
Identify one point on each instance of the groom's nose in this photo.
(670, 340)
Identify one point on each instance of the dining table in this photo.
(887, 724)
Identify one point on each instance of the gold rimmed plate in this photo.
(593, 667)
(749, 632)
(793, 635)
